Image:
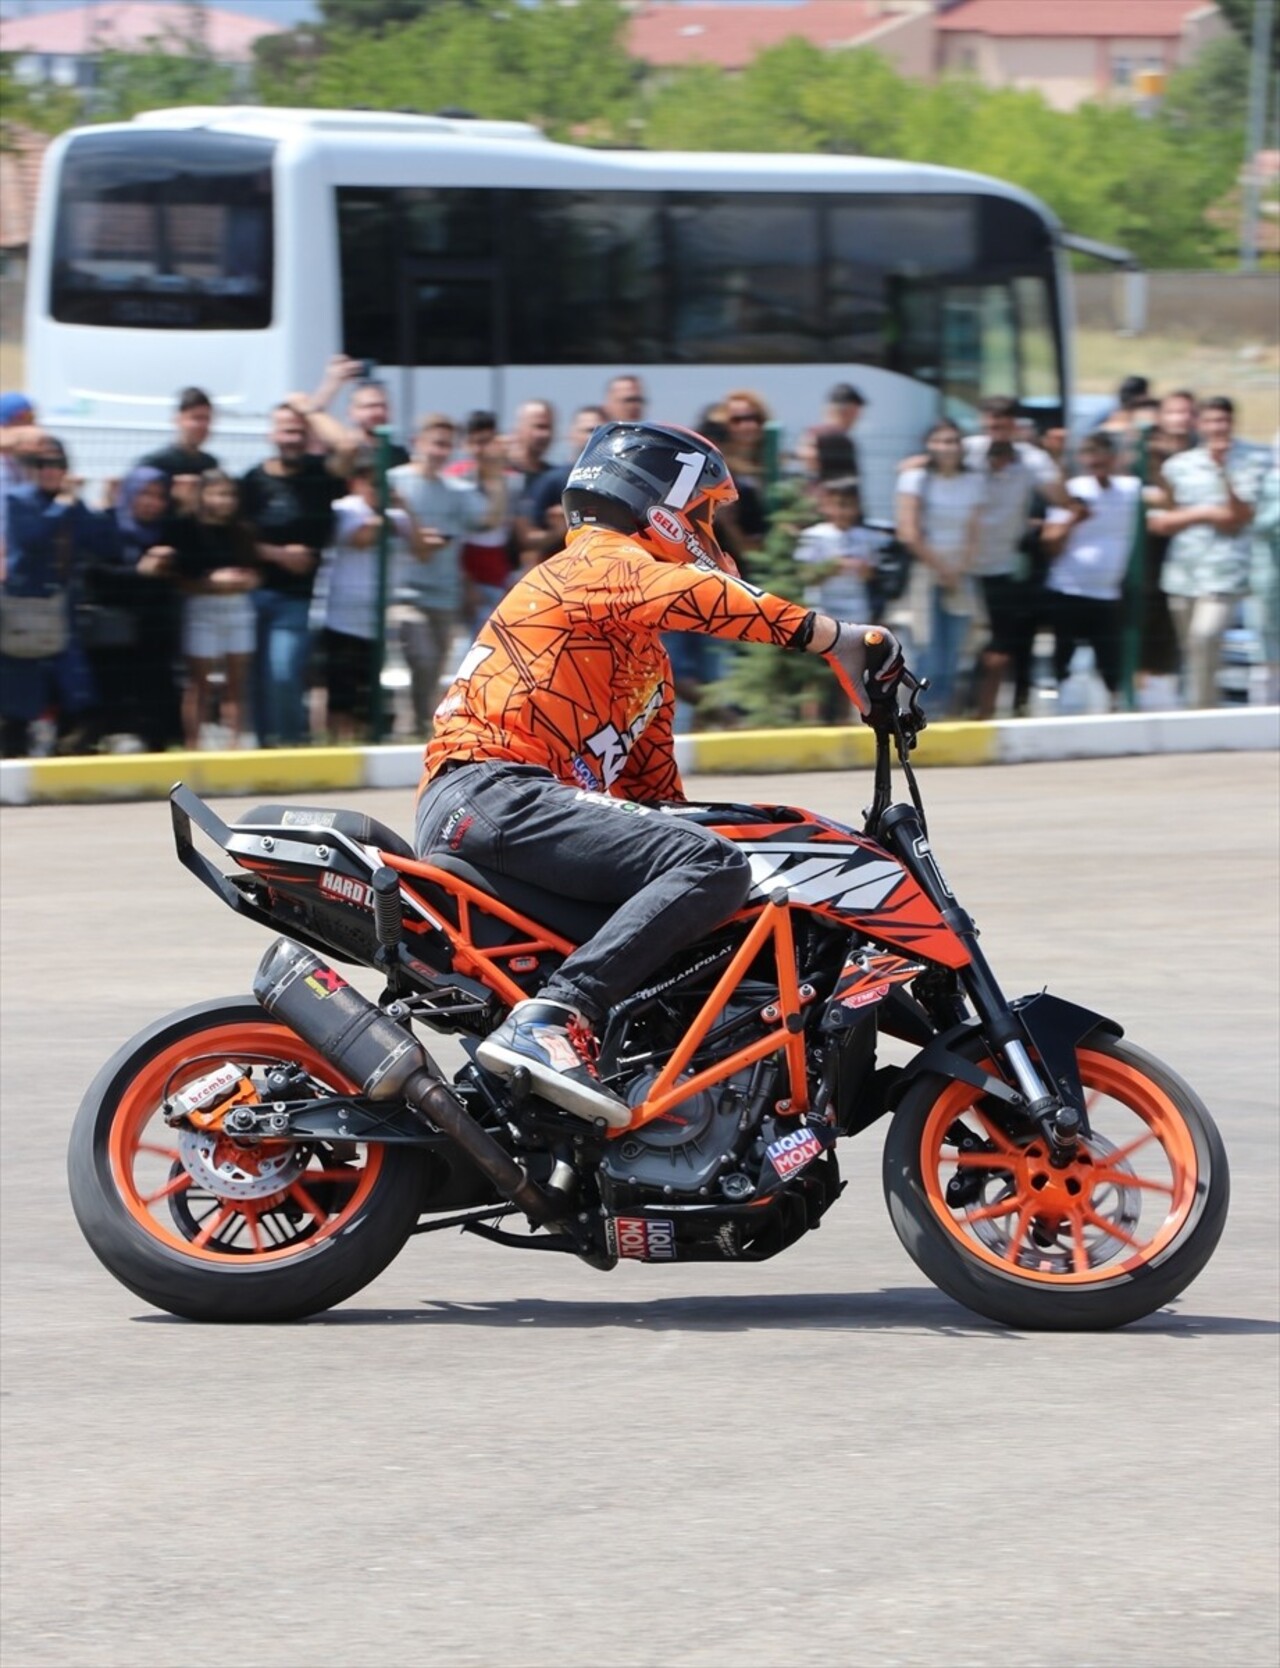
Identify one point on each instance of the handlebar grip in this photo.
(878, 646)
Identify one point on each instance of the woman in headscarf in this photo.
(48, 536)
(131, 622)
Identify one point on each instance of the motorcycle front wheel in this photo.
(216, 1228)
(1112, 1235)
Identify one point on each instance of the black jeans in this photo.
(1090, 620)
(672, 880)
(1013, 613)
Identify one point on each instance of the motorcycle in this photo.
(261, 1158)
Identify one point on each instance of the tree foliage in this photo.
(46, 108)
(356, 16)
(131, 82)
(1106, 171)
(1109, 172)
(564, 68)
(1240, 13)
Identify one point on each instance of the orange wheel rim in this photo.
(304, 1193)
(1114, 1207)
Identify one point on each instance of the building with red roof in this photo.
(1072, 50)
(62, 45)
(1067, 50)
(672, 33)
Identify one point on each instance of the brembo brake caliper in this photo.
(208, 1102)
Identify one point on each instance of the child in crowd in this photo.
(351, 599)
(839, 553)
(218, 568)
(837, 557)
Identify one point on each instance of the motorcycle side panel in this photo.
(845, 877)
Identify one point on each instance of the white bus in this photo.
(479, 264)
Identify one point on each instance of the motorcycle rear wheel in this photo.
(217, 1229)
(1110, 1237)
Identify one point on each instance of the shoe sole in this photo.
(553, 1085)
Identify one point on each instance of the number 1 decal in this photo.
(691, 467)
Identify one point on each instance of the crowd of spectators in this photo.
(192, 608)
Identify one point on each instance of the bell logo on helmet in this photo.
(666, 525)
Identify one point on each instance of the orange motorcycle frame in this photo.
(771, 924)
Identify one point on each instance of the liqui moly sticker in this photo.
(790, 1153)
(647, 1239)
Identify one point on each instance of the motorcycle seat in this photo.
(355, 824)
(572, 918)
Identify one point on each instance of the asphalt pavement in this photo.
(489, 1458)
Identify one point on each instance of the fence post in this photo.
(772, 456)
(1135, 584)
(378, 647)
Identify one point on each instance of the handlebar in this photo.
(878, 648)
(886, 678)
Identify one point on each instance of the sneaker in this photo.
(556, 1046)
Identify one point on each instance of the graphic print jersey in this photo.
(569, 671)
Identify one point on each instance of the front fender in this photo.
(1054, 1030)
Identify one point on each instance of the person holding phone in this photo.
(368, 406)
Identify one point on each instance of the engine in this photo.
(697, 1151)
(684, 1151)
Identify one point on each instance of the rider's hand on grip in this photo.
(868, 662)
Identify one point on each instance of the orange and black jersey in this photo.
(569, 671)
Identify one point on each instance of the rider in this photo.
(553, 761)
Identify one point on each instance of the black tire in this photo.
(1052, 1297)
(294, 1278)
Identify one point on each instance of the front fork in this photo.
(1056, 1105)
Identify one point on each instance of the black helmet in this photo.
(660, 486)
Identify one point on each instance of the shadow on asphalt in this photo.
(881, 1311)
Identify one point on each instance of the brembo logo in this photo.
(668, 525)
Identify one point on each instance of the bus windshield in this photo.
(172, 236)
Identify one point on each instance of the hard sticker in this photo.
(790, 1153)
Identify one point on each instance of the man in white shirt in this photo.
(429, 589)
(1012, 472)
(1089, 545)
(1206, 503)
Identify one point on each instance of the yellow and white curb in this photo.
(129, 776)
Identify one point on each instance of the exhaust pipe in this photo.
(385, 1059)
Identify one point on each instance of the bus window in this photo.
(368, 258)
(171, 237)
(979, 347)
(878, 252)
(451, 314)
(452, 223)
(418, 275)
(744, 279)
(1037, 349)
(588, 285)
